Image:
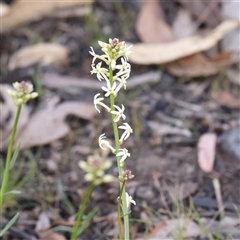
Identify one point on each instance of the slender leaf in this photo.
(87, 221)
(10, 223)
(14, 157)
(65, 199)
(13, 192)
(81, 229)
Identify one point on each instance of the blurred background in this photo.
(182, 101)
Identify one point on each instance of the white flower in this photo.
(101, 142)
(126, 133)
(99, 102)
(124, 69)
(126, 51)
(129, 200)
(123, 153)
(121, 84)
(103, 57)
(101, 72)
(110, 89)
(125, 65)
(119, 114)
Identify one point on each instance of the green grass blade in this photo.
(13, 192)
(14, 157)
(10, 223)
(87, 221)
(65, 199)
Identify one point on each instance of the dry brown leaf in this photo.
(183, 25)
(8, 112)
(230, 42)
(48, 125)
(181, 191)
(169, 228)
(233, 76)
(42, 53)
(53, 236)
(43, 221)
(162, 129)
(22, 11)
(198, 65)
(226, 99)
(4, 9)
(206, 151)
(55, 81)
(75, 11)
(151, 26)
(204, 11)
(166, 52)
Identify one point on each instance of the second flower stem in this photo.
(9, 156)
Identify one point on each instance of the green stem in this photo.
(117, 143)
(119, 220)
(9, 156)
(81, 210)
(119, 212)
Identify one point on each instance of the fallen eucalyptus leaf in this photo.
(151, 25)
(170, 228)
(42, 53)
(206, 151)
(162, 129)
(226, 99)
(56, 81)
(53, 236)
(198, 65)
(22, 11)
(146, 53)
(183, 25)
(48, 125)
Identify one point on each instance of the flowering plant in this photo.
(115, 74)
(22, 94)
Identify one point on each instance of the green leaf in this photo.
(65, 199)
(13, 192)
(87, 221)
(10, 223)
(14, 157)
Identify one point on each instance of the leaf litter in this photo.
(184, 118)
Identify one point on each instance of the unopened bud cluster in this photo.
(115, 75)
(95, 167)
(23, 92)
